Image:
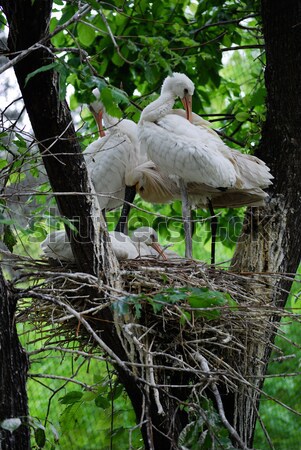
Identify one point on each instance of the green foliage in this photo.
(9, 237)
(205, 431)
(76, 417)
(199, 302)
(283, 425)
(41, 438)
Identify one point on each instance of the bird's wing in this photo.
(253, 172)
(237, 199)
(177, 147)
(107, 169)
(123, 246)
(196, 119)
(57, 246)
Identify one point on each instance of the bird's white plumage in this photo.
(57, 246)
(157, 187)
(192, 151)
(107, 159)
(110, 157)
(192, 159)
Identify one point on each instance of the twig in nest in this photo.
(205, 367)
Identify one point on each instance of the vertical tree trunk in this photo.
(13, 374)
(270, 242)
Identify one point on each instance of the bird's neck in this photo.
(109, 121)
(158, 109)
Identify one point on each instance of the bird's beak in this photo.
(159, 249)
(98, 119)
(187, 103)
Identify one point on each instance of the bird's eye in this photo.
(153, 237)
(185, 91)
(141, 189)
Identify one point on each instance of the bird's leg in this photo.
(213, 225)
(186, 220)
(129, 196)
(192, 223)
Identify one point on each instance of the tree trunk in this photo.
(270, 242)
(13, 375)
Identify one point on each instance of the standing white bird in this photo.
(191, 154)
(111, 156)
(143, 243)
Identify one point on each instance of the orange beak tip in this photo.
(159, 249)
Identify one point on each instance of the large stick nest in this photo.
(155, 333)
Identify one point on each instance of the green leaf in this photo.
(15, 178)
(227, 41)
(5, 221)
(59, 40)
(40, 437)
(120, 96)
(242, 116)
(157, 307)
(110, 104)
(102, 402)
(115, 392)
(186, 316)
(93, 3)
(258, 98)
(51, 66)
(71, 397)
(9, 238)
(86, 34)
(89, 396)
(69, 11)
(204, 298)
(69, 223)
(117, 60)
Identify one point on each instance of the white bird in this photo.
(111, 156)
(144, 242)
(155, 186)
(194, 155)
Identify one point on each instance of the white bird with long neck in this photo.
(111, 156)
(144, 243)
(193, 157)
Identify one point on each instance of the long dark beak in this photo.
(129, 197)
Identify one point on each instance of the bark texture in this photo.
(13, 375)
(270, 242)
